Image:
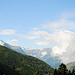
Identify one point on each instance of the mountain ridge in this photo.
(15, 48)
(23, 63)
(45, 55)
(71, 65)
(42, 54)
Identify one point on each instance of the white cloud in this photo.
(67, 15)
(43, 54)
(30, 37)
(59, 34)
(7, 32)
(64, 46)
(63, 42)
(13, 42)
(61, 37)
(42, 43)
(36, 28)
(62, 24)
(44, 37)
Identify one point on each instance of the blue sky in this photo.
(36, 23)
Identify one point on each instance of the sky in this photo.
(39, 24)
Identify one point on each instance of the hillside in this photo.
(42, 54)
(70, 66)
(45, 55)
(7, 70)
(22, 63)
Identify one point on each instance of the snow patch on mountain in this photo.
(1, 43)
(15, 48)
(43, 54)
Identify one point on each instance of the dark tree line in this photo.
(62, 70)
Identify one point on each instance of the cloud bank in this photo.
(63, 44)
(60, 34)
(65, 48)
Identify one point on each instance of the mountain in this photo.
(23, 64)
(45, 55)
(71, 65)
(15, 48)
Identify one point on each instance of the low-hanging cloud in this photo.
(60, 35)
(65, 48)
(63, 44)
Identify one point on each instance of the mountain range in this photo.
(14, 63)
(43, 54)
(71, 66)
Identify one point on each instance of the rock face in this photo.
(15, 48)
(45, 55)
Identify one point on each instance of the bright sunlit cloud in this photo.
(59, 33)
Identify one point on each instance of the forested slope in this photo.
(23, 64)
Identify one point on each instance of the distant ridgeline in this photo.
(15, 48)
(20, 64)
(71, 65)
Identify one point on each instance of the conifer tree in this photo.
(62, 70)
(69, 73)
(55, 72)
(73, 72)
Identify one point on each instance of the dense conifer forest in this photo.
(22, 64)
